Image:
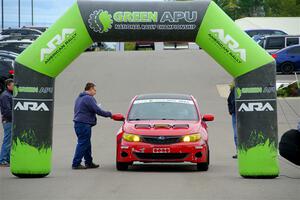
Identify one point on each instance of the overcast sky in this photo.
(45, 11)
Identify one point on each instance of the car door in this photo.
(293, 55)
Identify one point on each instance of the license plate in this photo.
(161, 150)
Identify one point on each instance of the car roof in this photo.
(16, 41)
(19, 37)
(164, 96)
(282, 36)
(264, 30)
(3, 52)
(287, 48)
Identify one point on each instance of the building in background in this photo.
(290, 25)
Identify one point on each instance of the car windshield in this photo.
(163, 109)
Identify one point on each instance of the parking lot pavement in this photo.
(120, 76)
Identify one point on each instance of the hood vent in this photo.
(178, 126)
(142, 126)
(162, 126)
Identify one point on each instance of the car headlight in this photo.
(131, 137)
(191, 138)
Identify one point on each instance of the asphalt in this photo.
(119, 77)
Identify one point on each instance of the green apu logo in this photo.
(41, 90)
(249, 90)
(100, 21)
(254, 90)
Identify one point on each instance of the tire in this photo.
(153, 47)
(122, 166)
(287, 68)
(204, 166)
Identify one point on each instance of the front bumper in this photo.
(192, 152)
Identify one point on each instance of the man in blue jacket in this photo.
(85, 112)
(6, 115)
(231, 110)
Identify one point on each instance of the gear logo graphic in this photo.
(100, 21)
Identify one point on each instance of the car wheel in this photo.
(122, 166)
(203, 166)
(287, 68)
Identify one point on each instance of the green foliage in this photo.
(293, 90)
(129, 46)
(251, 8)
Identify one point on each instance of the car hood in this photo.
(164, 128)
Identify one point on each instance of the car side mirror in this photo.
(208, 118)
(118, 117)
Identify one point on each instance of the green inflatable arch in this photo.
(202, 22)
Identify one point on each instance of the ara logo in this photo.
(55, 42)
(31, 106)
(230, 42)
(257, 106)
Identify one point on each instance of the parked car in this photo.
(163, 128)
(175, 45)
(39, 28)
(144, 44)
(288, 59)
(274, 43)
(6, 67)
(253, 32)
(21, 31)
(16, 46)
(19, 37)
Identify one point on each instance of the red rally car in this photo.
(163, 128)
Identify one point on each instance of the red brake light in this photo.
(274, 56)
(11, 72)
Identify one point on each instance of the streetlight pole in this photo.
(19, 12)
(2, 15)
(31, 12)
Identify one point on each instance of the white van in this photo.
(273, 43)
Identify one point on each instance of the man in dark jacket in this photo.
(85, 112)
(6, 113)
(231, 110)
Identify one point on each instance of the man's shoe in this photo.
(92, 166)
(234, 156)
(4, 164)
(79, 167)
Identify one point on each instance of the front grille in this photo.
(160, 156)
(161, 139)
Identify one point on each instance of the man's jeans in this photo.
(5, 150)
(234, 129)
(84, 147)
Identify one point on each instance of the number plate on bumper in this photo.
(161, 150)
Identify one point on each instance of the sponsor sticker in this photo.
(57, 44)
(25, 89)
(31, 106)
(163, 101)
(101, 21)
(256, 106)
(254, 90)
(228, 44)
